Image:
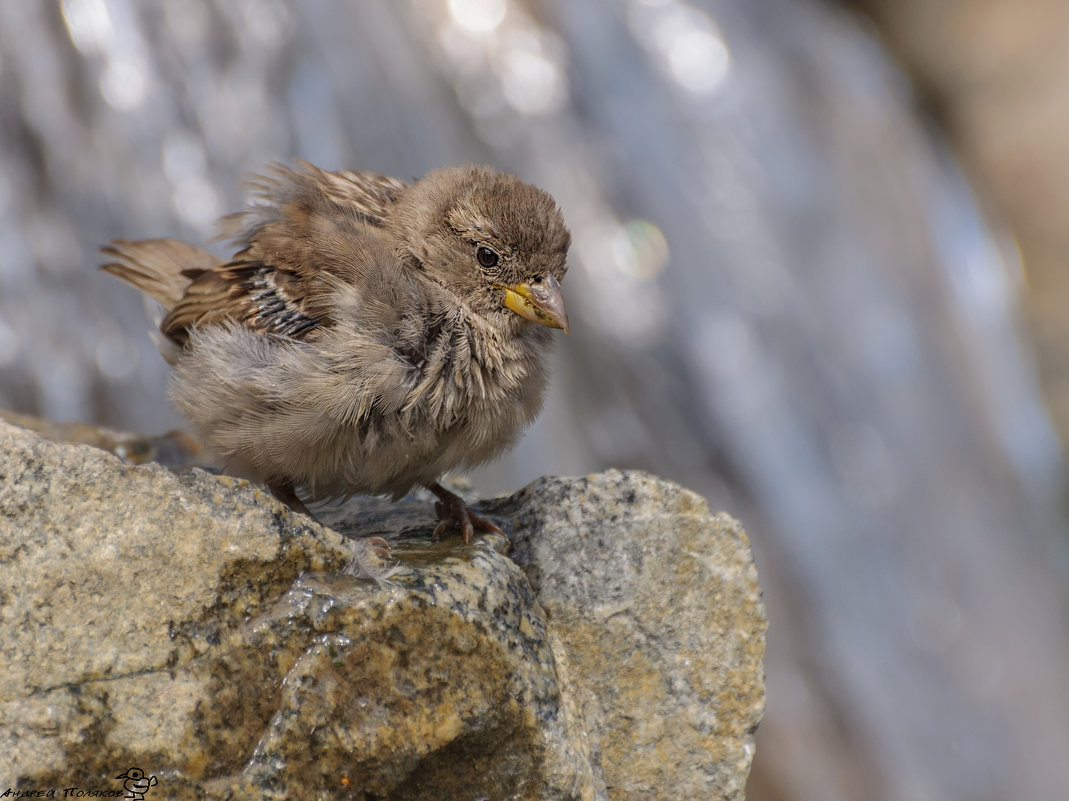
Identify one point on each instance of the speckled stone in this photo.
(191, 625)
(658, 623)
(188, 624)
(119, 586)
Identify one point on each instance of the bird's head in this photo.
(498, 244)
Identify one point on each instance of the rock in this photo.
(173, 449)
(191, 626)
(657, 620)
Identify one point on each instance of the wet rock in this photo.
(188, 624)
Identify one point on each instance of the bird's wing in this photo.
(304, 233)
(262, 297)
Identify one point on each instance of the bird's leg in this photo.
(284, 491)
(452, 511)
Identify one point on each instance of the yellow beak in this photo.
(540, 302)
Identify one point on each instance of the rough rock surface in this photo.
(189, 625)
(658, 624)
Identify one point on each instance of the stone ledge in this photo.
(188, 624)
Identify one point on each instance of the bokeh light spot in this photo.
(478, 16)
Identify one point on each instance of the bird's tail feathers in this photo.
(161, 268)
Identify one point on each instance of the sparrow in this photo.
(368, 335)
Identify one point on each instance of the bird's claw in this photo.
(452, 511)
(380, 547)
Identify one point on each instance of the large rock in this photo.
(189, 625)
(656, 620)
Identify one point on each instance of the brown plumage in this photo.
(368, 335)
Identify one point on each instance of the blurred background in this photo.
(817, 275)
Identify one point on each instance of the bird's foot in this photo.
(452, 511)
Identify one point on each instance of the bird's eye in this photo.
(486, 257)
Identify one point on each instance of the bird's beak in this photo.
(541, 302)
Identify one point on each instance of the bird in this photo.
(368, 335)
